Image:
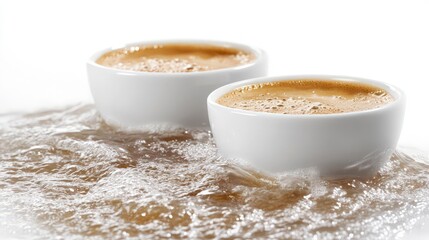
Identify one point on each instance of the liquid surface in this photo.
(175, 58)
(65, 173)
(306, 96)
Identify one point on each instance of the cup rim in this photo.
(260, 57)
(397, 93)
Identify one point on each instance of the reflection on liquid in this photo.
(65, 173)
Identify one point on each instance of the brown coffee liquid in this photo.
(307, 96)
(175, 58)
(66, 174)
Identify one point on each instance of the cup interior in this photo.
(397, 94)
(259, 54)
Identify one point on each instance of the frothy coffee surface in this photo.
(307, 96)
(175, 58)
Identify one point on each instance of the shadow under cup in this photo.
(354, 143)
(134, 100)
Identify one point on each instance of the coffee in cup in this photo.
(165, 84)
(340, 125)
(307, 96)
(175, 58)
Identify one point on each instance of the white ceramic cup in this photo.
(135, 100)
(352, 143)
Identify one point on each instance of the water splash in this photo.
(66, 173)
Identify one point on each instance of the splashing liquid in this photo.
(66, 173)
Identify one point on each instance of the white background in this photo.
(44, 44)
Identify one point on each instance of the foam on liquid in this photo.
(175, 58)
(65, 174)
(307, 96)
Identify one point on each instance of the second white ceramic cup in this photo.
(352, 143)
(139, 100)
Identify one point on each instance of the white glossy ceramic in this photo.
(138, 100)
(344, 143)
